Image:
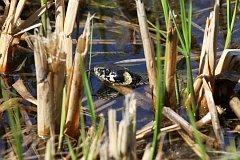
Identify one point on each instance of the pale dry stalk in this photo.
(148, 47)
(122, 139)
(75, 85)
(234, 103)
(192, 144)
(44, 89)
(68, 28)
(12, 30)
(22, 90)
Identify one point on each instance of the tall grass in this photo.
(160, 95)
(14, 121)
(83, 133)
(72, 154)
(230, 22)
(88, 93)
(185, 40)
(44, 17)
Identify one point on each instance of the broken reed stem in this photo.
(6, 38)
(50, 71)
(22, 90)
(213, 111)
(68, 28)
(60, 16)
(75, 84)
(12, 30)
(148, 48)
(171, 61)
(192, 144)
(74, 93)
(122, 139)
(44, 89)
(174, 117)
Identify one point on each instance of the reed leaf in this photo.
(15, 128)
(88, 93)
(230, 22)
(160, 95)
(72, 154)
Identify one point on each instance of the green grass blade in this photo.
(88, 93)
(90, 50)
(160, 99)
(16, 130)
(180, 37)
(72, 154)
(228, 14)
(165, 11)
(196, 134)
(44, 17)
(230, 22)
(184, 22)
(14, 121)
(83, 133)
(234, 14)
(189, 25)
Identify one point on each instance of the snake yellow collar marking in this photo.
(116, 75)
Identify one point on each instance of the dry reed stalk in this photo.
(226, 59)
(146, 132)
(74, 92)
(171, 61)
(147, 153)
(192, 144)
(205, 87)
(22, 90)
(11, 103)
(122, 141)
(148, 48)
(11, 31)
(207, 118)
(44, 88)
(60, 16)
(49, 62)
(208, 56)
(213, 111)
(113, 148)
(160, 152)
(68, 28)
(234, 103)
(174, 117)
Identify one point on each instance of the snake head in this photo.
(116, 75)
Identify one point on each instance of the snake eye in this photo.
(107, 71)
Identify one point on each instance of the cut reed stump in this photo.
(75, 85)
(44, 89)
(50, 69)
(171, 61)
